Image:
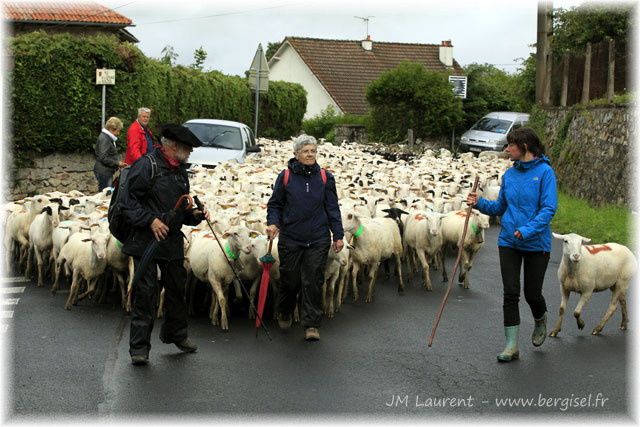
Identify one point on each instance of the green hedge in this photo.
(56, 106)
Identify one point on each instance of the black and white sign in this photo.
(459, 84)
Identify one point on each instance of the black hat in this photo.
(180, 134)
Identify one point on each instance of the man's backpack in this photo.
(118, 225)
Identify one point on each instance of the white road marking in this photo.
(4, 328)
(9, 301)
(14, 290)
(19, 279)
(6, 314)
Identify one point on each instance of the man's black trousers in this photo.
(145, 300)
(535, 266)
(302, 270)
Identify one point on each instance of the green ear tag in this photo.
(359, 231)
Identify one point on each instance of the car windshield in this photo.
(492, 125)
(220, 136)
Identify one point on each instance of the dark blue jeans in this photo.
(535, 266)
(105, 179)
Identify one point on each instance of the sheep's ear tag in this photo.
(359, 231)
(475, 229)
(229, 253)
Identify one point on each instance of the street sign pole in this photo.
(105, 77)
(104, 103)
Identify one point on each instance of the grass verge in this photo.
(601, 224)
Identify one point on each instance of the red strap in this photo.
(323, 175)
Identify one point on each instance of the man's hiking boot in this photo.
(187, 346)
(139, 359)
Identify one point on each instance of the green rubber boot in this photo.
(510, 352)
(539, 331)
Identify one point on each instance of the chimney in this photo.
(367, 44)
(446, 53)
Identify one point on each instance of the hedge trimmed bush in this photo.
(56, 106)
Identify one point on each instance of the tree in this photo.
(199, 56)
(590, 23)
(489, 89)
(412, 97)
(272, 48)
(169, 56)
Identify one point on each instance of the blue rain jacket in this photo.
(527, 202)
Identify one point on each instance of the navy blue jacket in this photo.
(155, 198)
(306, 209)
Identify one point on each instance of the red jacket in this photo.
(136, 142)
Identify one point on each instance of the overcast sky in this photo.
(489, 31)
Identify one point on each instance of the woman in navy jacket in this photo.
(527, 202)
(302, 210)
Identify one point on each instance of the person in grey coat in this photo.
(107, 157)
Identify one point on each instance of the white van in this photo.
(490, 132)
(222, 141)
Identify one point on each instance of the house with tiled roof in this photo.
(336, 72)
(84, 18)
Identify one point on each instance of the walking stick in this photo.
(251, 305)
(455, 266)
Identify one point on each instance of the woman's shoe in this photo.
(510, 352)
(539, 331)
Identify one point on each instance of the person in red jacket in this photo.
(139, 137)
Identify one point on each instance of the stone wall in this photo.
(591, 152)
(61, 172)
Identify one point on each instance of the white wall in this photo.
(291, 68)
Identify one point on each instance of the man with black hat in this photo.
(154, 185)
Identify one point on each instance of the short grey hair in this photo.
(303, 140)
(144, 110)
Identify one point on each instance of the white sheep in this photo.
(594, 268)
(375, 240)
(452, 228)
(85, 257)
(335, 272)
(40, 238)
(17, 228)
(423, 237)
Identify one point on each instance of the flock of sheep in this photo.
(404, 211)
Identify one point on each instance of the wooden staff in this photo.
(455, 266)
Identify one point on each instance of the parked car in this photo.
(222, 140)
(490, 132)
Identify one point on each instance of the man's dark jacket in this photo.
(148, 199)
(306, 208)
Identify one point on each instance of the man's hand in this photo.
(338, 245)
(159, 229)
(272, 231)
(202, 214)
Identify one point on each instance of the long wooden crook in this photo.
(455, 266)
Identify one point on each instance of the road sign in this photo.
(259, 71)
(459, 86)
(105, 76)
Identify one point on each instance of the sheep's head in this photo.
(572, 245)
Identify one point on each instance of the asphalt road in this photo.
(372, 361)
